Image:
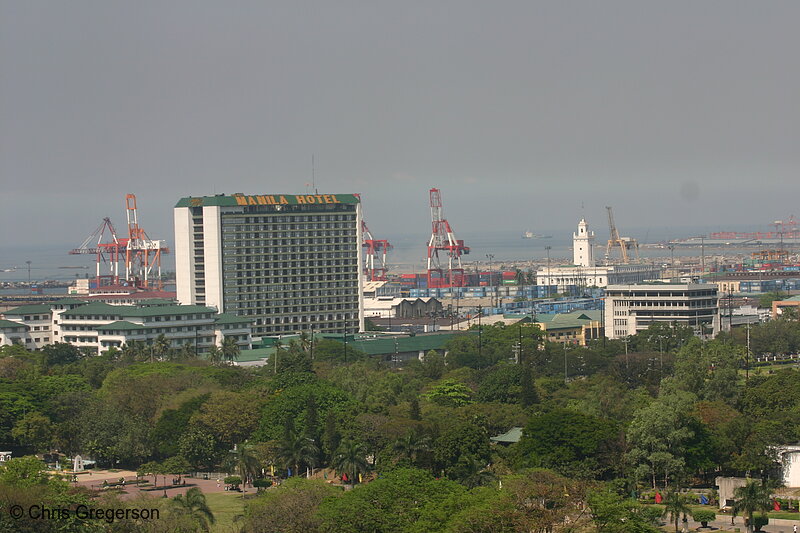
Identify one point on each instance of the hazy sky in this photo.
(676, 113)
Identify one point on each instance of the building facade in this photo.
(387, 307)
(36, 319)
(576, 327)
(289, 263)
(630, 309)
(97, 326)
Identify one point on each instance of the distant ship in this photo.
(532, 235)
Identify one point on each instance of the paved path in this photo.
(94, 481)
(723, 522)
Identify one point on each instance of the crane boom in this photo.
(623, 243)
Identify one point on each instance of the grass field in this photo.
(226, 506)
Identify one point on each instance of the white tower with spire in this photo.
(582, 245)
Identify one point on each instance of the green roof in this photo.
(391, 344)
(69, 301)
(573, 319)
(152, 302)
(31, 309)
(578, 315)
(511, 436)
(792, 299)
(269, 342)
(97, 308)
(7, 324)
(160, 310)
(228, 318)
(562, 320)
(267, 199)
(120, 325)
(381, 345)
(256, 354)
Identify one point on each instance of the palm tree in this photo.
(161, 347)
(134, 351)
(214, 355)
(675, 506)
(295, 450)
(243, 461)
(230, 350)
(349, 458)
(752, 497)
(193, 503)
(278, 345)
(411, 446)
(473, 472)
(305, 341)
(188, 351)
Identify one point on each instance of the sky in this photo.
(527, 115)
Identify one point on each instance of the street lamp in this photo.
(491, 285)
(549, 281)
(480, 332)
(672, 260)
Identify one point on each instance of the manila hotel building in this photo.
(289, 263)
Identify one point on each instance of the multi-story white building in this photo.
(585, 273)
(13, 333)
(38, 324)
(629, 309)
(289, 263)
(100, 326)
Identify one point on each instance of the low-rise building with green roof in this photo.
(12, 333)
(576, 327)
(391, 348)
(98, 326)
(37, 319)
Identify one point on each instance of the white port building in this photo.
(630, 309)
(585, 272)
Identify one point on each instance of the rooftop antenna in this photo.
(313, 176)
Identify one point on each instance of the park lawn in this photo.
(721, 516)
(784, 515)
(226, 506)
(763, 370)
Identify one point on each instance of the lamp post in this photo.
(30, 287)
(549, 281)
(702, 256)
(672, 260)
(480, 332)
(491, 284)
(747, 356)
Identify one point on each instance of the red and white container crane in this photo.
(108, 249)
(444, 239)
(140, 255)
(375, 251)
(143, 254)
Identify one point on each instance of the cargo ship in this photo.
(532, 235)
(784, 232)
